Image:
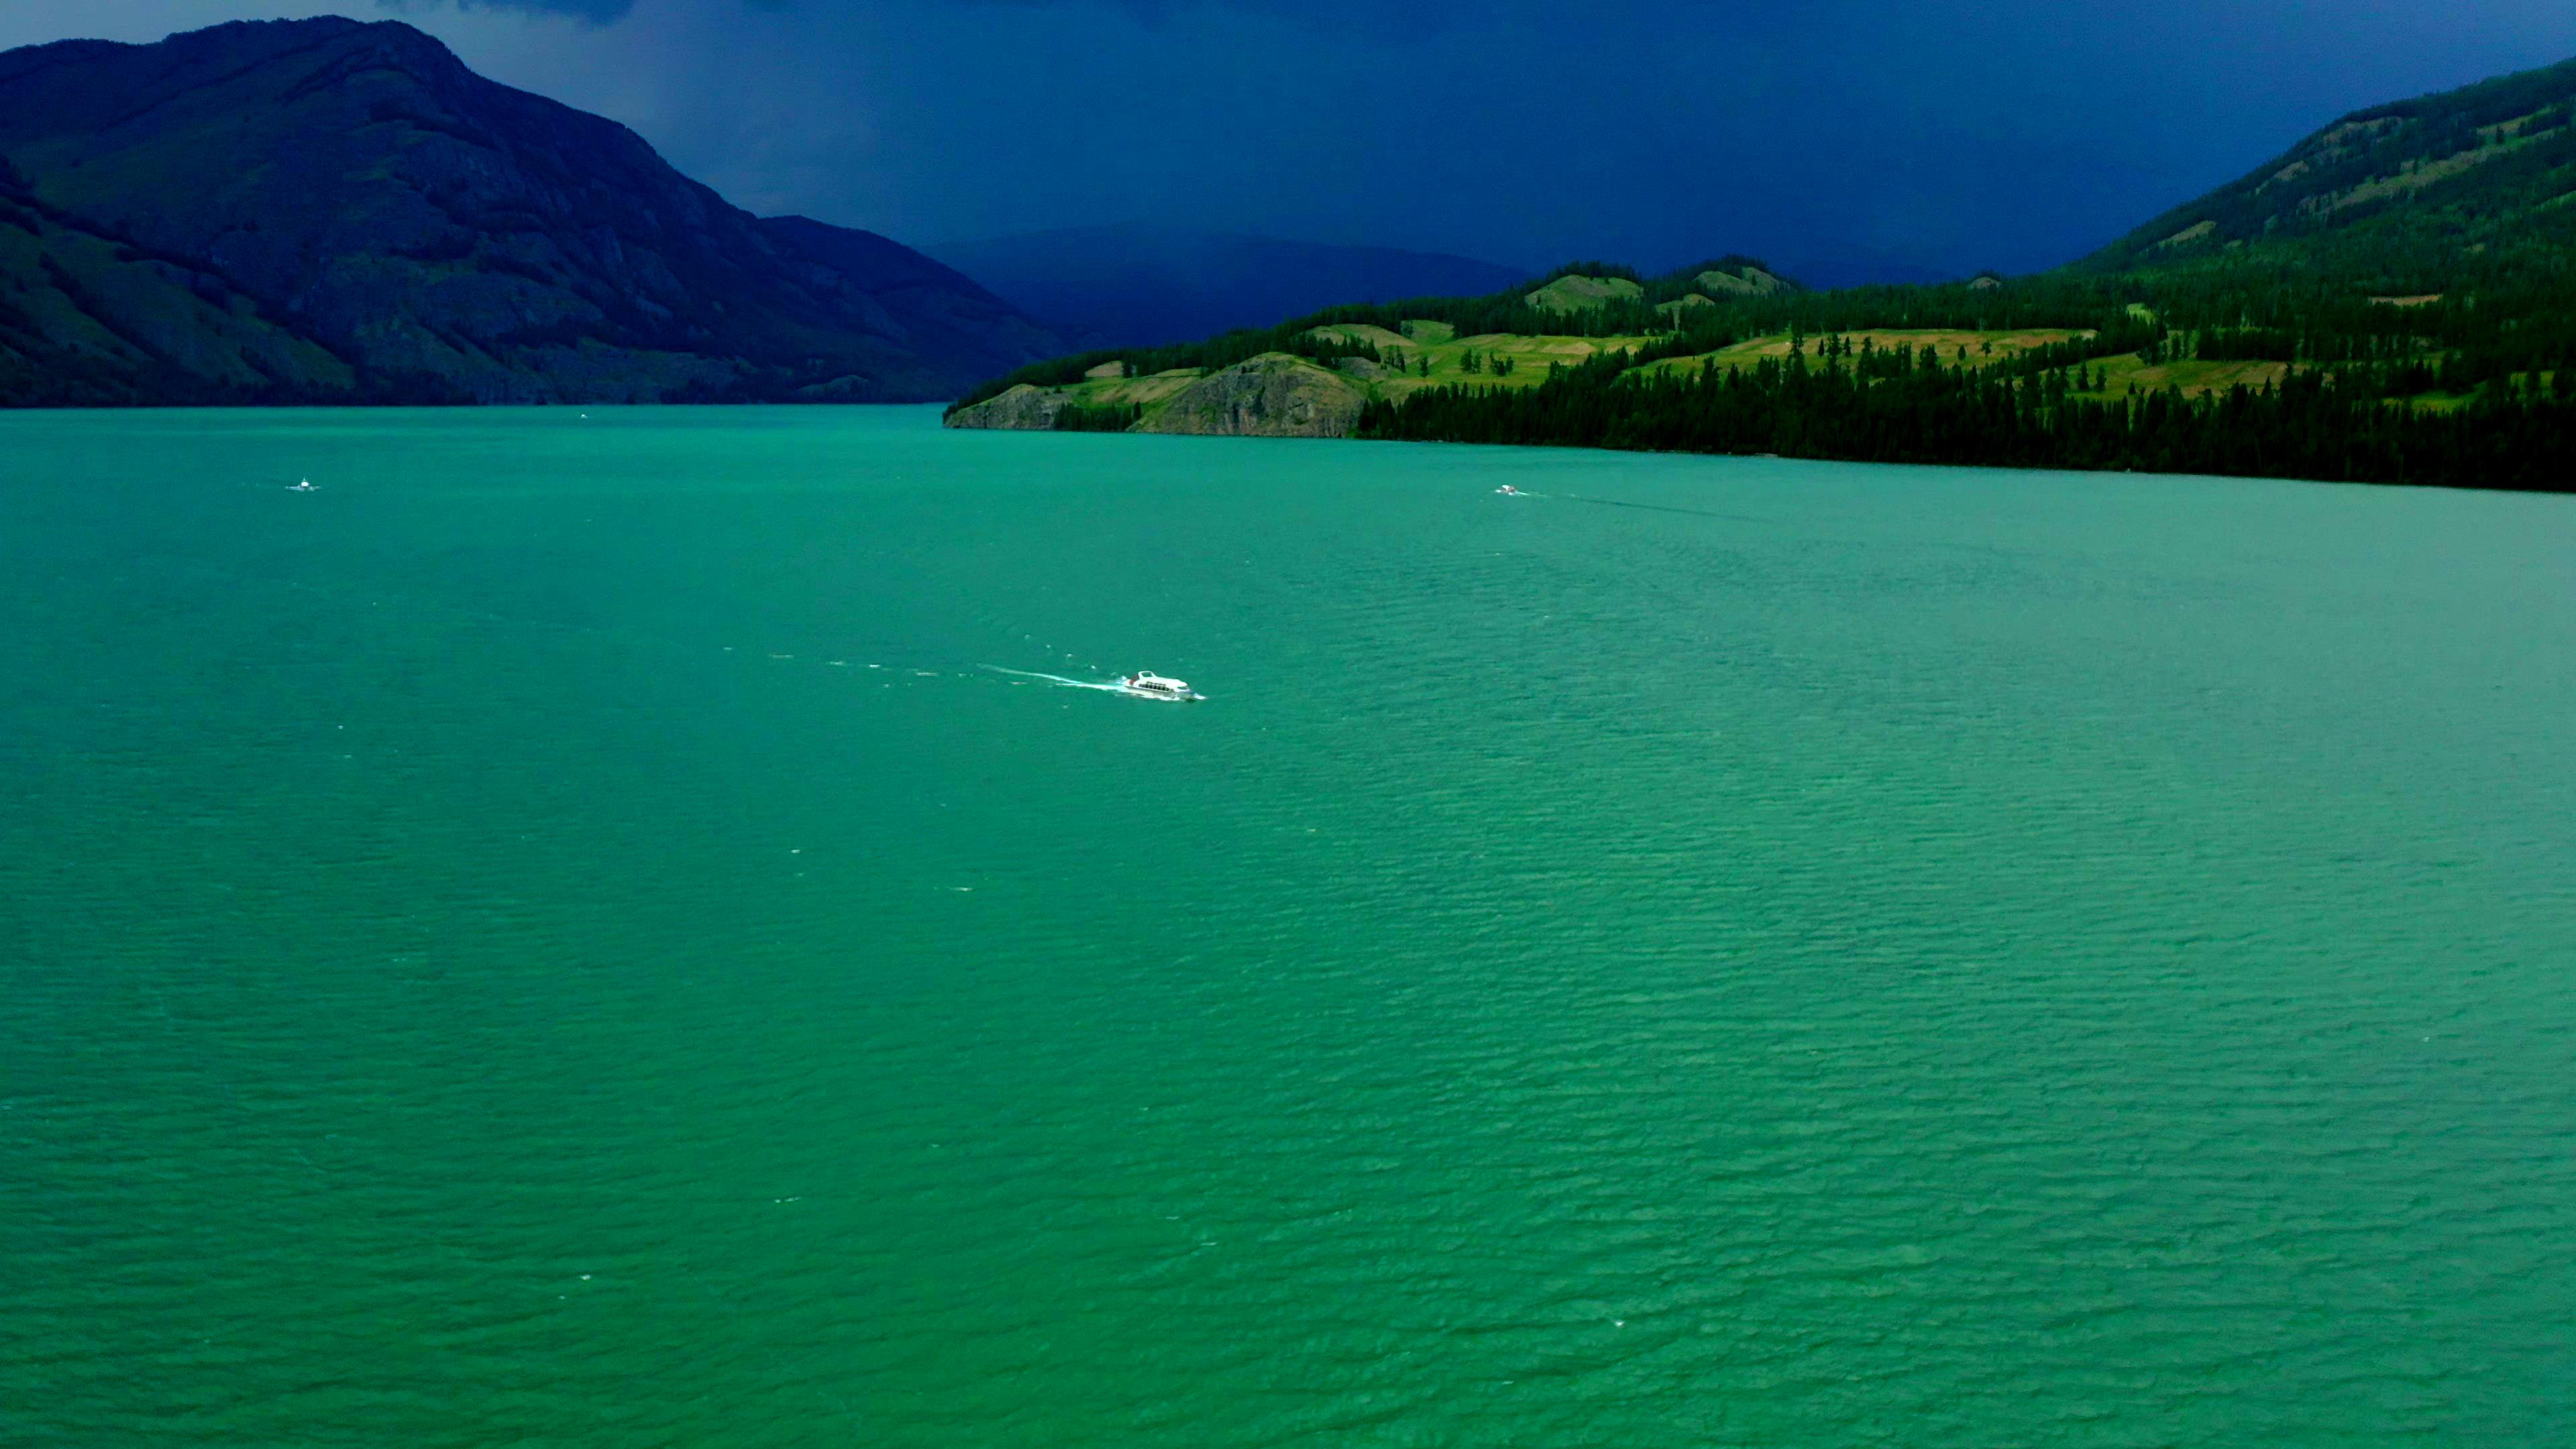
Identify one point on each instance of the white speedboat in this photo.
(303, 485)
(1146, 684)
(1508, 491)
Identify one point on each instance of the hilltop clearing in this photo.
(1576, 293)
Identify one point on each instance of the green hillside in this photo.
(2473, 185)
(2392, 300)
(1573, 314)
(89, 320)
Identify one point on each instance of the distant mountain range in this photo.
(1142, 286)
(2393, 300)
(330, 211)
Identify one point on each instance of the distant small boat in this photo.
(1508, 491)
(1146, 684)
(302, 485)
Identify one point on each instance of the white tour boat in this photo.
(1146, 684)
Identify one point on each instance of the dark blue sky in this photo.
(2008, 133)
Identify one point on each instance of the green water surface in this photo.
(558, 937)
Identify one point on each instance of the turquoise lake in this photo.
(565, 936)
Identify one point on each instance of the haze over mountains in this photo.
(325, 210)
(331, 211)
(1142, 286)
(1145, 286)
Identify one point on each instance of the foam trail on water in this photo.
(1113, 688)
(1652, 507)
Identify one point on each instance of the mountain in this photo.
(1140, 286)
(330, 211)
(2393, 300)
(2479, 181)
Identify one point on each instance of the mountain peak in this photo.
(445, 235)
(237, 42)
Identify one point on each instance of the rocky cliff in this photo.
(1023, 408)
(1274, 395)
(325, 210)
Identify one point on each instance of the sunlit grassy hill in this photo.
(1510, 339)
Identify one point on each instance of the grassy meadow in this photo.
(1424, 353)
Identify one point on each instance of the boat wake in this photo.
(1127, 687)
(1652, 507)
(1113, 686)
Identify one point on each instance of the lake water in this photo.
(560, 937)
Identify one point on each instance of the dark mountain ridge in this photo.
(326, 210)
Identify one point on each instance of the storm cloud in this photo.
(1894, 135)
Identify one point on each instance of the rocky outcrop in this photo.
(1275, 395)
(1025, 408)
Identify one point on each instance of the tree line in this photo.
(1910, 406)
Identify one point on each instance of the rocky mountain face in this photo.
(1273, 395)
(1024, 409)
(323, 211)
